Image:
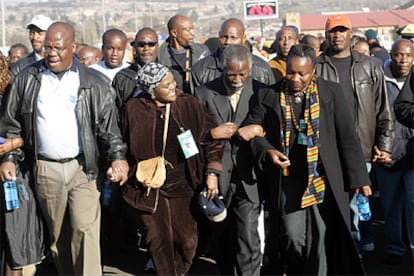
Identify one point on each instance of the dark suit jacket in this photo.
(237, 157)
(341, 157)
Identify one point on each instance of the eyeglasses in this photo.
(58, 51)
(143, 43)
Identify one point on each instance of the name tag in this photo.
(187, 144)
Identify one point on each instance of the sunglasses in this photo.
(143, 43)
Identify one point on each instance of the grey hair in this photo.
(237, 53)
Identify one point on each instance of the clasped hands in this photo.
(118, 171)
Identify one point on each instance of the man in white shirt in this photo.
(113, 49)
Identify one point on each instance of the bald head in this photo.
(234, 22)
(65, 29)
(232, 32)
(176, 20)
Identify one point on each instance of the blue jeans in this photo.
(397, 194)
(362, 231)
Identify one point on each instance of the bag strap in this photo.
(167, 119)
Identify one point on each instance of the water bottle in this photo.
(363, 207)
(11, 195)
(106, 192)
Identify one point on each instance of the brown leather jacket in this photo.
(373, 117)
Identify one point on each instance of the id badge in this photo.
(302, 139)
(187, 144)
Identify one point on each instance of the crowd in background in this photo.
(298, 129)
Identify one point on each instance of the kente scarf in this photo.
(315, 190)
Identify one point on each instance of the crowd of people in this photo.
(301, 131)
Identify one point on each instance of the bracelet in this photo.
(212, 174)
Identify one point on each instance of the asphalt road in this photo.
(119, 262)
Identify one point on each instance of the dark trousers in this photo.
(171, 235)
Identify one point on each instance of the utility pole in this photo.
(3, 25)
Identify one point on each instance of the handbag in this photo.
(151, 173)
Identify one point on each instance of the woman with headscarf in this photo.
(166, 214)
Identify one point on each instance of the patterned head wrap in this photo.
(150, 75)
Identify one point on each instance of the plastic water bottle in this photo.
(11, 195)
(363, 207)
(106, 192)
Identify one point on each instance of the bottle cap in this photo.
(2, 140)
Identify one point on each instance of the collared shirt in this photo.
(57, 123)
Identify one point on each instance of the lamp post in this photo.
(3, 25)
(103, 17)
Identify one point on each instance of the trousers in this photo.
(70, 206)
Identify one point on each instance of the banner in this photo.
(260, 9)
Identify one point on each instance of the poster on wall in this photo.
(260, 9)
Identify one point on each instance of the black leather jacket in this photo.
(96, 111)
(125, 83)
(373, 117)
(211, 67)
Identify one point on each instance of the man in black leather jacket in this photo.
(362, 80)
(145, 50)
(66, 115)
(231, 32)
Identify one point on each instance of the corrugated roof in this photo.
(371, 19)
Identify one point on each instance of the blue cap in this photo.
(214, 209)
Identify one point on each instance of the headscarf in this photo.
(150, 75)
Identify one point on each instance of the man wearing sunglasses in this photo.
(145, 49)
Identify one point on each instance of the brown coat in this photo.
(138, 125)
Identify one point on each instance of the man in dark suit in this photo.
(228, 99)
(37, 30)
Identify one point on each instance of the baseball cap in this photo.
(40, 21)
(214, 209)
(337, 20)
(407, 31)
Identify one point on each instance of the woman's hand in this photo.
(278, 158)
(10, 144)
(212, 186)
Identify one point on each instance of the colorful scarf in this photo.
(315, 190)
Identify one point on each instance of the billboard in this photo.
(260, 9)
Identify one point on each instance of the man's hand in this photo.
(279, 159)
(381, 157)
(7, 171)
(212, 186)
(118, 172)
(364, 190)
(224, 131)
(249, 132)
